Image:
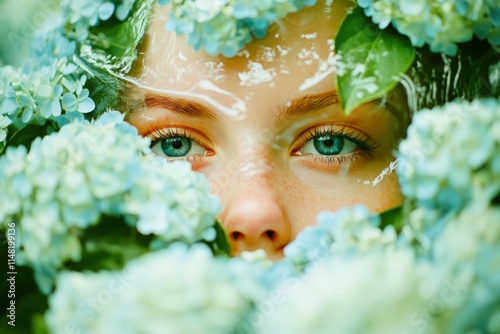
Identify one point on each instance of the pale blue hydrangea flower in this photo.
(379, 292)
(123, 9)
(69, 179)
(51, 85)
(4, 123)
(37, 95)
(468, 247)
(49, 46)
(225, 26)
(83, 14)
(450, 156)
(178, 290)
(440, 24)
(454, 290)
(343, 231)
(46, 88)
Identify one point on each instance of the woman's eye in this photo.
(328, 145)
(177, 147)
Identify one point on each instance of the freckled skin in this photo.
(269, 193)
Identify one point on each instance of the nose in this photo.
(254, 219)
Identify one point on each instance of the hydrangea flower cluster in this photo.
(450, 156)
(374, 293)
(346, 230)
(345, 275)
(225, 26)
(50, 88)
(468, 247)
(69, 180)
(183, 290)
(83, 14)
(52, 83)
(440, 24)
(33, 96)
(454, 290)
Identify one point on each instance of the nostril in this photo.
(236, 235)
(271, 234)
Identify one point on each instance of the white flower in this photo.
(178, 290)
(88, 13)
(440, 24)
(49, 88)
(225, 26)
(450, 156)
(468, 247)
(374, 293)
(72, 178)
(343, 231)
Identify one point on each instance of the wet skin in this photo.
(266, 127)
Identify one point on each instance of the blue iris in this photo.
(176, 146)
(328, 144)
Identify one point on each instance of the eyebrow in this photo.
(307, 104)
(300, 106)
(178, 105)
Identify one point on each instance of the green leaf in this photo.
(112, 47)
(220, 246)
(114, 43)
(392, 217)
(39, 324)
(110, 245)
(27, 135)
(30, 303)
(373, 59)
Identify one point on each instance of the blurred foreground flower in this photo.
(74, 178)
(179, 290)
(450, 159)
(394, 287)
(346, 230)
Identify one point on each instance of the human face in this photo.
(266, 127)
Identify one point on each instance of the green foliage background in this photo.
(19, 20)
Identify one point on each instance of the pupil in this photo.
(328, 142)
(177, 143)
(329, 145)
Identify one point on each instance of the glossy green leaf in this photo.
(114, 43)
(392, 217)
(26, 135)
(220, 247)
(371, 60)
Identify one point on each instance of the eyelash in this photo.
(159, 134)
(366, 145)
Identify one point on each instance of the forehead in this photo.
(296, 53)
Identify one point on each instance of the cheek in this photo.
(309, 194)
(382, 196)
(303, 193)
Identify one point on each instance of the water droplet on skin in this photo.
(309, 36)
(283, 52)
(325, 68)
(256, 75)
(181, 56)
